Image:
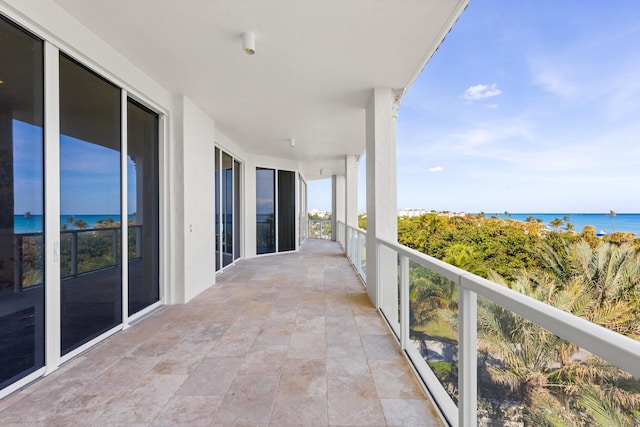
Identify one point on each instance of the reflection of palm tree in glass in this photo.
(27, 216)
(612, 213)
(80, 223)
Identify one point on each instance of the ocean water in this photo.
(34, 223)
(627, 222)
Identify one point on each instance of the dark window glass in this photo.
(91, 299)
(143, 206)
(286, 211)
(21, 204)
(236, 209)
(265, 211)
(218, 225)
(227, 209)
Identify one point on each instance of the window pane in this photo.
(227, 209)
(21, 204)
(91, 300)
(143, 206)
(265, 211)
(236, 209)
(218, 225)
(286, 211)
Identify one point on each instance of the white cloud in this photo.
(481, 92)
(436, 169)
(552, 77)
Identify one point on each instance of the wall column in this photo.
(334, 206)
(339, 214)
(382, 201)
(351, 191)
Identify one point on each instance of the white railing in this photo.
(356, 241)
(319, 229)
(394, 304)
(341, 235)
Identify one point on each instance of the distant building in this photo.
(412, 212)
(318, 212)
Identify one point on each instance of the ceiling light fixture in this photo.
(292, 142)
(249, 43)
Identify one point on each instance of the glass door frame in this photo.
(51, 204)
(235, 204)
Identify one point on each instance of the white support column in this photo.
(334, 206)
(382, 201)
(340, 191)
(351, 191)
(350, 198)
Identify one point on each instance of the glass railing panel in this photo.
(320, 229)
(362, 247)
(314, 229)
(389, 280)
(433, 320)
(530, 376)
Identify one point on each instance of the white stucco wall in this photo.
(49, 21)
(187, 152)
(197, 139)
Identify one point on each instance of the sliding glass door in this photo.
(143, 207)
(275, 211)
(265, 211)
(21, 204)
(91, 276)
(90, 289)
(286, 211)
(227, 193)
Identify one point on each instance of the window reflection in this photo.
(91, 292)
(143, 206)
(21, 204)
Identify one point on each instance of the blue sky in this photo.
(89, 175)
(528, 106)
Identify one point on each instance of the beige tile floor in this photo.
(286, 340)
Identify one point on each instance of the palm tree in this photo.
(523, 356)
(556, 383)
(610, 274)
(464, 257)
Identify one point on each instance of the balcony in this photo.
(281, 340)
(465, 338)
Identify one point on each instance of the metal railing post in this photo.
(138, 241)
(18, 251)
(73, 258)
(404, 303)
(467, 357)
(115, 247)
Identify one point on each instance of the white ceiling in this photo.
(315, 63)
